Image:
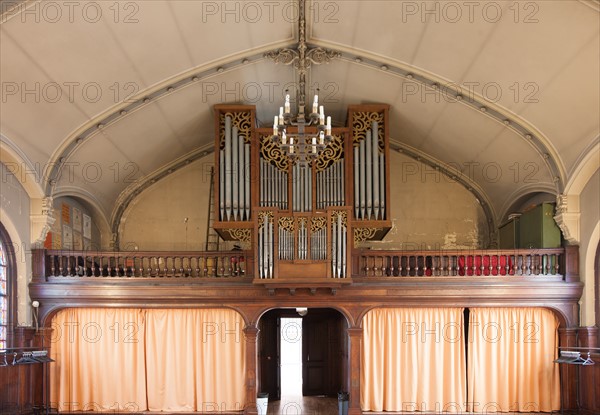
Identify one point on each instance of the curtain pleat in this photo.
(137, 360)
(413, 359)
(510, 362)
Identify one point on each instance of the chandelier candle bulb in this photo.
(321, 115)
(280, 115)
(321, 138)
(283, 137)
(329, 125)
(287, 104)
(275, 129)
(315, 104)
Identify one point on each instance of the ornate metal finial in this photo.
(302, 57)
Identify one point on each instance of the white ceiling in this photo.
(542, 57)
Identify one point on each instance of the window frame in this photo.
(11, 293)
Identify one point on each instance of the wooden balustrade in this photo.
(136, 264)
(469, 263)
(365, 263)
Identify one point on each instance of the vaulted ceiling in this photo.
(101, 97)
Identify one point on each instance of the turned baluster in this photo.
(69, 268)
(217, 267)
(53, 258)
(197, 269)
(387, 266)
(141, 268)
(149, 269)
(188, 269)
(166, 270)
(205, 262)
(173, 267)
(525, 264)
(157, 265)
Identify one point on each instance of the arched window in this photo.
(7, 298)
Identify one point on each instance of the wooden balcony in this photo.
(539, 278)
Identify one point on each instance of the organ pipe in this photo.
(273, 186)
(234, 186)
(363, 179)
(302, 188)
(382, 184)
(369, 177)
(228, 167)
(356, 183)
(246, 169)
(375, 165)
(222, 183)
(265, 248)
(369, 174)
(234, 173)
(339, 248)
(330, 186)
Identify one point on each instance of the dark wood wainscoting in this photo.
(22, 386)
(589, 376)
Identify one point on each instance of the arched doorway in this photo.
(322, 334)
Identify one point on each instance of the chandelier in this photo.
(302, 146)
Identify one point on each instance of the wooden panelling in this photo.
(589, 376)
(22, 386)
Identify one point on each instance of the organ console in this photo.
(302, 220)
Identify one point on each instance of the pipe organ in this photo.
(302, 221)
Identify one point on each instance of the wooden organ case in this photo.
(302, 222)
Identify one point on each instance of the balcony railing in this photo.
(88, 264)
(57, 265)
(467, 263)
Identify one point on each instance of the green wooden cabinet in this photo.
(508, 234)
(537, 228)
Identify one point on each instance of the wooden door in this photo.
(321, 353)
(269, 355)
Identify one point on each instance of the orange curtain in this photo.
(137, 360)
(196, 360)
(413, 359)
(100, 360)
(510, 362)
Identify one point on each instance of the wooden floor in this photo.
(304, 405)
